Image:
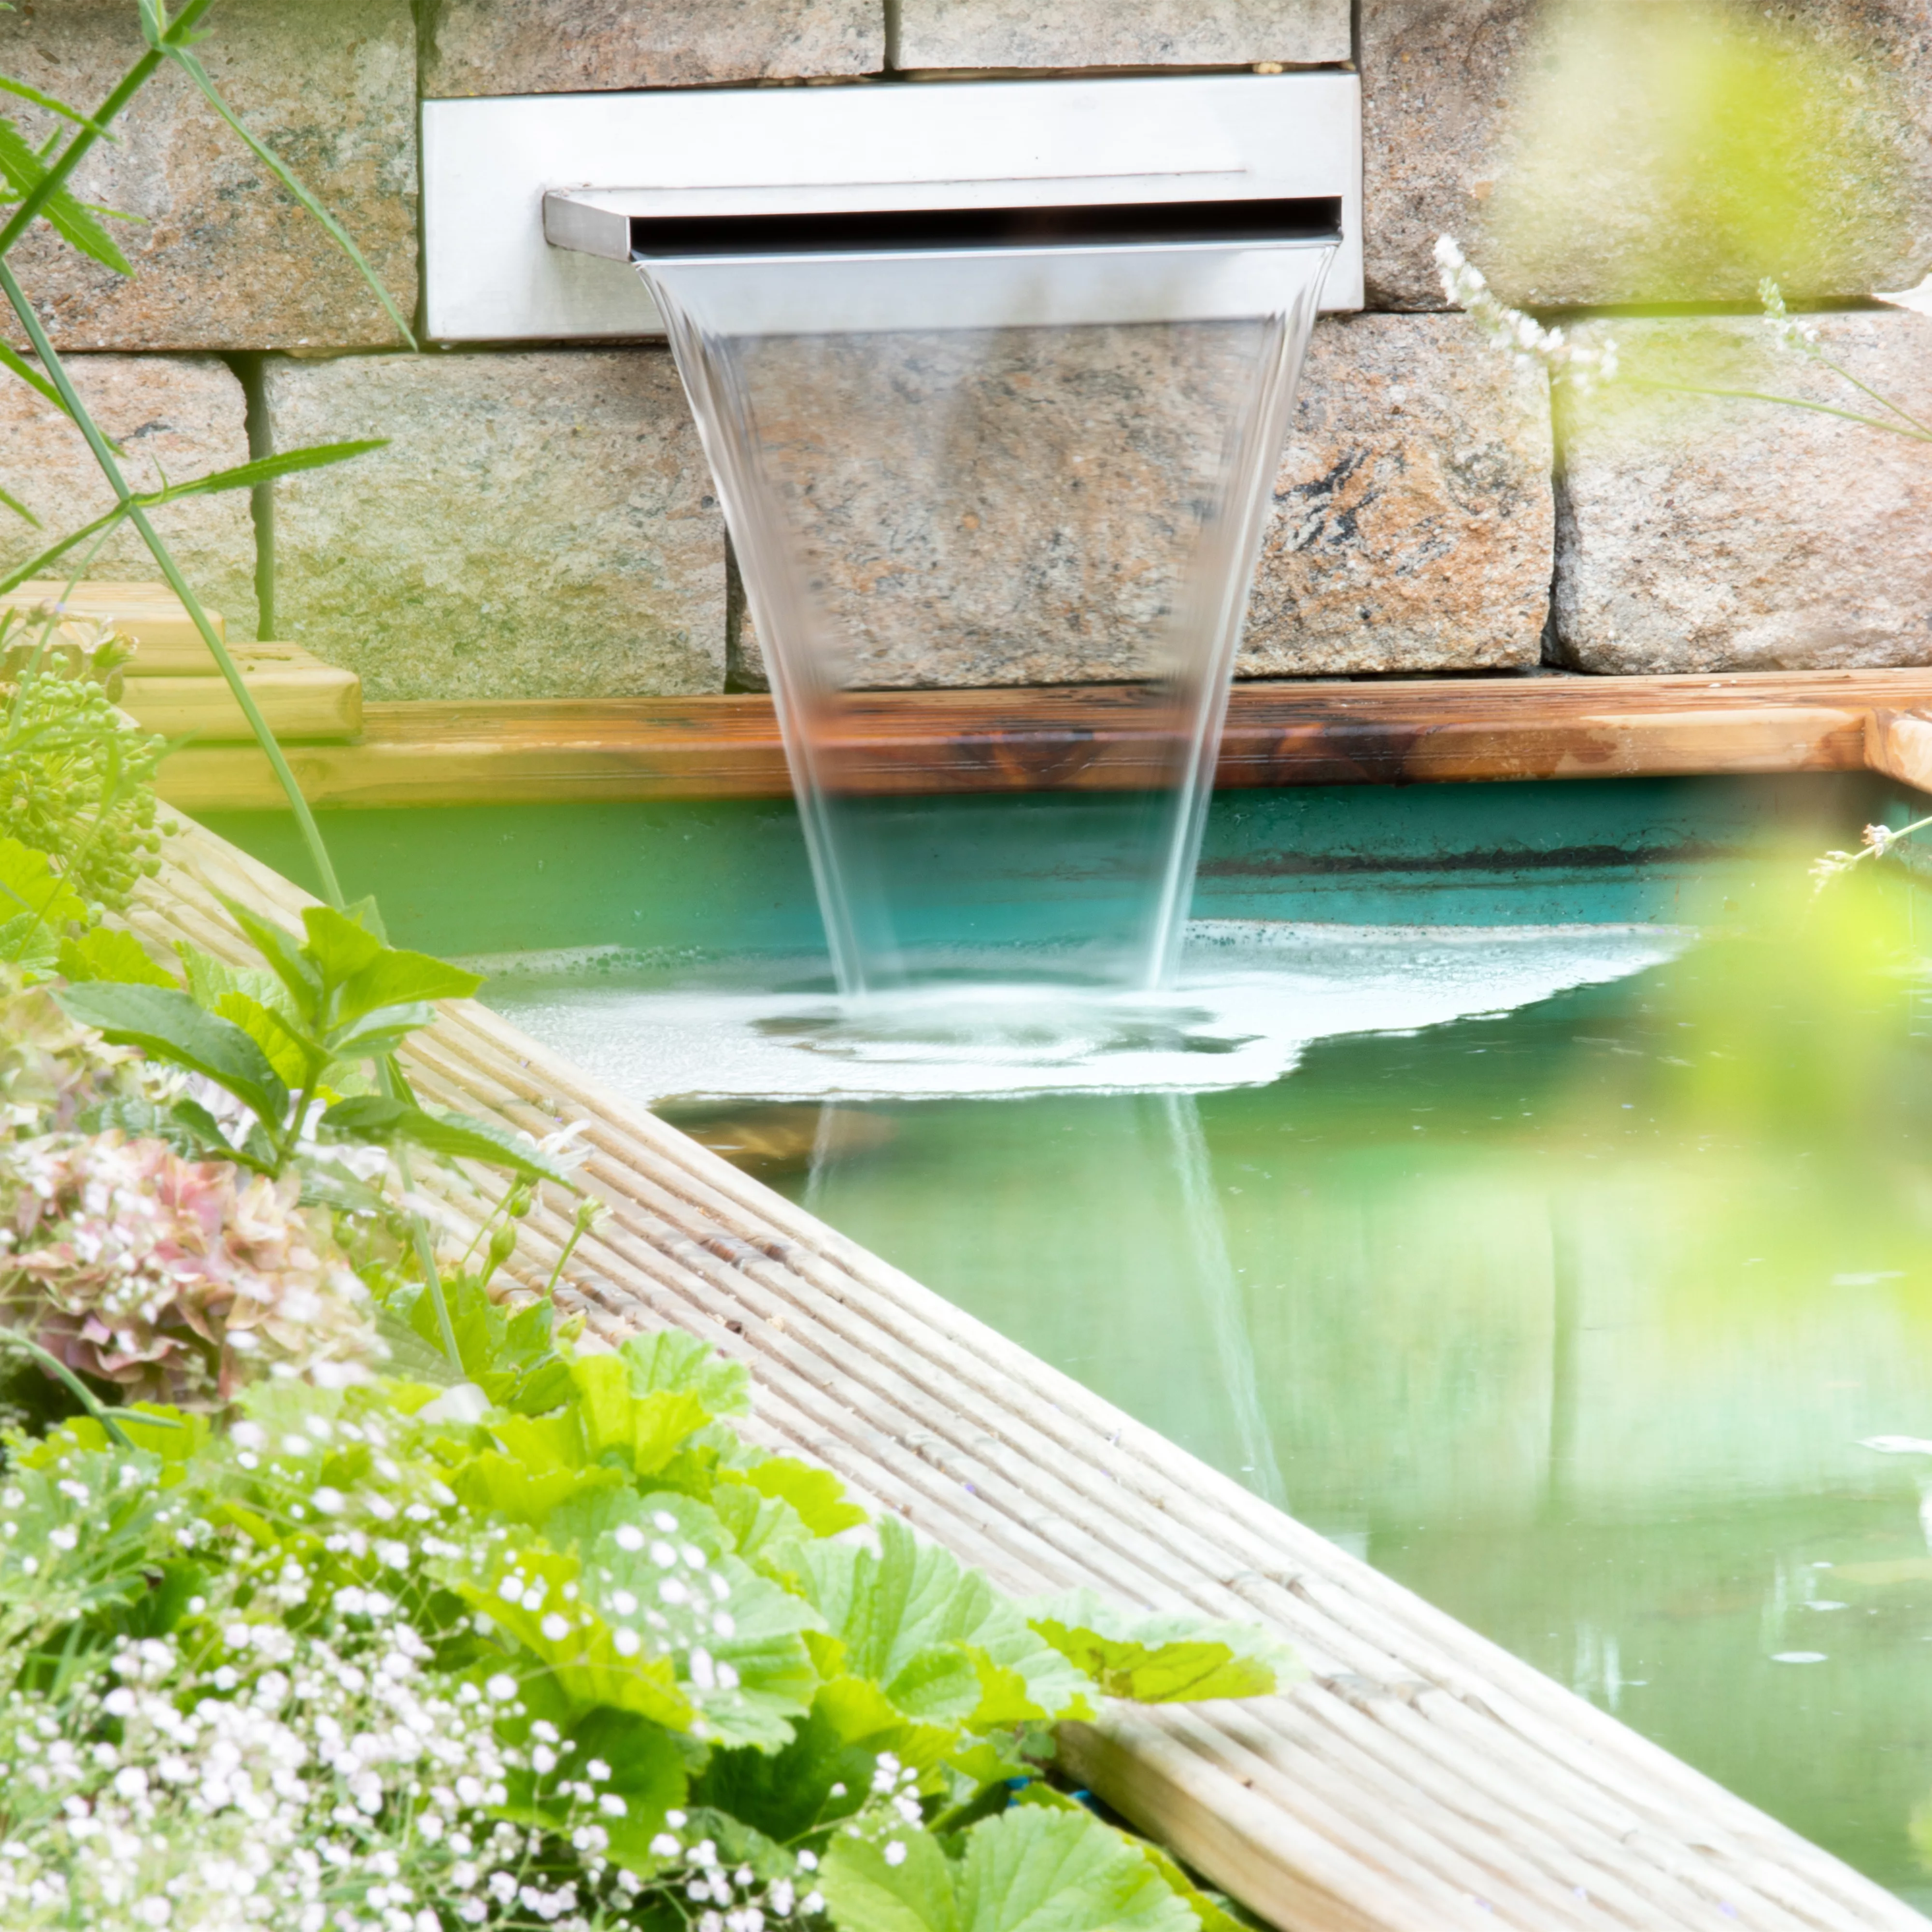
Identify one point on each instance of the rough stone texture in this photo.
(982, 507)
(1412, 527)
(182, 415)
(226, 260)
(542, 525)
(548, 47)
(1701, 534)
(1446, 84)
(1119, 33)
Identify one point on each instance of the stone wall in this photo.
(542, 523)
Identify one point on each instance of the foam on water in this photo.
(1251, 997)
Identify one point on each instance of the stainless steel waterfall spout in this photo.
(530, 202)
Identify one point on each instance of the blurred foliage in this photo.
(1681, 150)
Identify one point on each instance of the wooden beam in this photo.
(149, 615)
(1391, 732)
(300, 697)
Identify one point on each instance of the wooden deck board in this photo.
(1422, 1781)
(1393, 732)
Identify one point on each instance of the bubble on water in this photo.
(1251, 996)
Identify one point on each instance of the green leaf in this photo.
(25, 941)
(22, 92)
(338, 947)
(1210, 1915)
(376, 1036)
(16, 364)
(646, 1431)
(397, 978)
(816, 1495)
(30, 887)
(38, 566)
(520, 1491)
(286, 960)
(787, 1794)
(263, 469)
(373, 1120)
(282, 1048)
(166, 1024)
(893, 1611)
(9, 501)
(25, 170)
(109, 953)
(646, 1774)
(211, 980)
(1162, 1659)
(1040, 1870)
(671, 1362)
(193, 68)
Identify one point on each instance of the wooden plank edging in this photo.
(1093, 737)
(1422, 1781)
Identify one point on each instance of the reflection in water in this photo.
(1577, 1319)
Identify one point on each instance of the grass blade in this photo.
(264, 469)
(191, 66)
(8, 501)
(22, 91)
(27, 171)
(33, 567)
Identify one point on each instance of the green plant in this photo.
(396, 1656)
(34, 182)
(76, 778)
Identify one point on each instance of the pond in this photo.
(1546, 1214)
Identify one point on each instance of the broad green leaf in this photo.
(647, 1774)
(645, 1430)
(670, 1361)
(767, 1532)
(338, 947)
(30, 888)
(892, 1611)
(211, 980)
(1162, 1659)
(510, 1353)
(506, 1486)
(376, 1119)
(25, 170)
(816, 1495)
(738, 1640)
(376, 1035)
(395, 978)
(166, 1024)
(1031, 1869)
(532, 1594)
(280, 1045)
(26, 941)
(787, 1794)
(1210, 1915)
(286, 959)
(109, 952)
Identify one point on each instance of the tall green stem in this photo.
(331, 889)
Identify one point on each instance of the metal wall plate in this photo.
(491, 276)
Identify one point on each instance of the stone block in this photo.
(1411, 529)
(542, 524)
(1412, 526)
(224, 258)
(1006, 34)
(176, 417)
(1449, 89)
(1699, 534)
(550, 46)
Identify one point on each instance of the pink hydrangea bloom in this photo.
(160, 1274)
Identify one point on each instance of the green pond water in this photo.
(1573, 1319)
(1574, 1313)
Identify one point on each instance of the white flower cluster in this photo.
(731, 1900)
(1573, 357)
(1799, 338)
